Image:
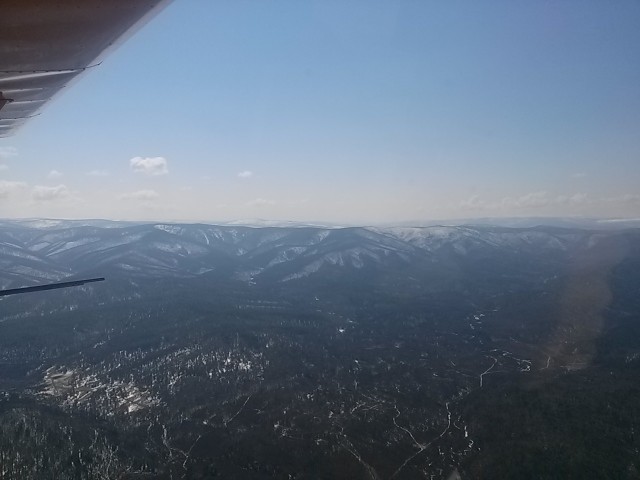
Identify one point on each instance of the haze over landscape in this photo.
(346, 112)
(340, 353)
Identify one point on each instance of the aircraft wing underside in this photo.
(45, 44)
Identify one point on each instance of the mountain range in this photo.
(32, 253)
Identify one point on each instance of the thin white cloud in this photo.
(98, 173)
(54, 174)
(245, 174)
(473, 203)
(149, 165)
(631, 198)
(579, 175)
(7, 188)
(7, 152)
(627, 198)
(140, 195)
(42, 193)
(573, 200)
(533, 200)
(260, 202)
(3, 167)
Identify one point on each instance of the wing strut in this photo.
(48, 286)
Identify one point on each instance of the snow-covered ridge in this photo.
(277, 253)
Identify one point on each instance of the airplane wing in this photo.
(46, 44)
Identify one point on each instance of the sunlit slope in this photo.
(289, 254)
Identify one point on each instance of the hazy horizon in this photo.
(501, 222)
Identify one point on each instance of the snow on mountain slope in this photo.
(468, 238)
(270, 253)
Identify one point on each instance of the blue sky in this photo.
(345, 111)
